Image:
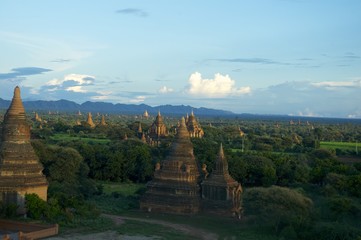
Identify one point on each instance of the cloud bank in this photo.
(71, 83)
(333, 85)
(22, 72)
(218, 87)
(306, 98)
(296, 98)
(77, 79)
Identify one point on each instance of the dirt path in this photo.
(191, 231)
(110, 235)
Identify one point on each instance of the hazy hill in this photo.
(103, 107)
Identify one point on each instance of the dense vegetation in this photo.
(301, 180)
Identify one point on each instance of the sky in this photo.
(294, 57)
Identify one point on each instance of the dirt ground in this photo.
(112, 235)
(188, 230)
(108, 235)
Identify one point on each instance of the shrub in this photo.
(36, 207)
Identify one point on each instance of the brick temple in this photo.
(220, 192)
(175, 188)
(20, 169)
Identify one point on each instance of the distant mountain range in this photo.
(103, 107)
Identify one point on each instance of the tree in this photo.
(322, 162)
(138, 164)
(237, 168)
(354, 185)
(260, 171)
(277, 206)
(205, 151)
(64, 160)
(65, 170)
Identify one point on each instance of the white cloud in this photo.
(54, 82)
(356, 83)
(104, 95)
(76, 89)
(71, 83)
(165, 89)
(80, 79)
(51, 90)
(355, 114)
(220, 86)
(307, 113)
(101, 97)
(137, 99)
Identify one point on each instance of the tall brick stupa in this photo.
(20, 169)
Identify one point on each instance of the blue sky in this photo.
(296, 57)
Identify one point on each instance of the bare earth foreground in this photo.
(188, 230)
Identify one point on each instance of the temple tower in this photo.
(89, 120)
(20, 169)
(37, 118)
(194, 127)
(143, 138)
(145, 114)
(221, 194)
(140, 130)
(102, 121)
(241, 133)
(175, 188)
(158, 128)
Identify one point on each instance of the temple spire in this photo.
(103, 121)
(193, 126)
(221, 163)
(182, 126)
(90, 120)
(221, 152)
(145, 114)
(16, 107)
(220, 192)
(140, 128)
